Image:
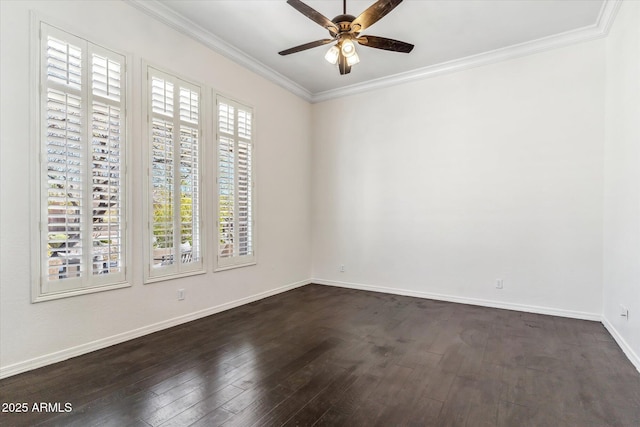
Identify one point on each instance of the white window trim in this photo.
(35, 172)
(222, 264)
(198, 267)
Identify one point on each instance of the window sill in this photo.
(155, 279)
(75, 292)
(232, 266)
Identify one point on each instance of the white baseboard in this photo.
(626, 348)
(59, 356)
(464, 300)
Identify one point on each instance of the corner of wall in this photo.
(626, 348)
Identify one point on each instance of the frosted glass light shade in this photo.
(353, 59)
(332, 55)
(348, 48)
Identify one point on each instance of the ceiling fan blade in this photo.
(373, 14)
(343, 66)
(314, 15)
(384, 43)
(305, 46)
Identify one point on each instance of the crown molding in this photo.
(607, 15)
(597, 30)
(600, 28)
(162, 13)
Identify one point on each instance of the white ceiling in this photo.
(444, 32)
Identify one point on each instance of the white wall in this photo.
(33, 334)
(622, 180)
(442, 186)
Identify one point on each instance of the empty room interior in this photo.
(428, 216)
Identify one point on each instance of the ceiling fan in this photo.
(346, 29)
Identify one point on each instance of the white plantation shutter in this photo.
(235, 184)
(244, 184)
(174, 176)
(162, 183)
(107, 163)
(83, 157)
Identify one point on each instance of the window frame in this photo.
(174, 270)
(41, 289)
(235, 261)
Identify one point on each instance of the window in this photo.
(82, 166)
(174, 204)
(236, 226)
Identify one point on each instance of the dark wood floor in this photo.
(327, 356)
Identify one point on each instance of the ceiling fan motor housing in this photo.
(343, 22)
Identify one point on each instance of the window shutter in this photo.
(175, 175)
(82, 120)
(226, 180)
(162, 183)
(244, 184)
(65, 178)
(189, 177)
(162, 170)
(107, 166)
(64, 63)
(235, 184)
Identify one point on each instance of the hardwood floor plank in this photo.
(424, 413)
(318, 405)
(255, 405)
(202, 408)
(398, 403)
(511, 414)
(273, 373)
(217, 417)
(190, 401)
(298, 400)
(341, 411)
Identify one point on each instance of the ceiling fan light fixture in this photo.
(332, 55)
(348, 48)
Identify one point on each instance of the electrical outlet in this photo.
(499, 284)
(342, 268)
(180, 294)
(624, 312)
